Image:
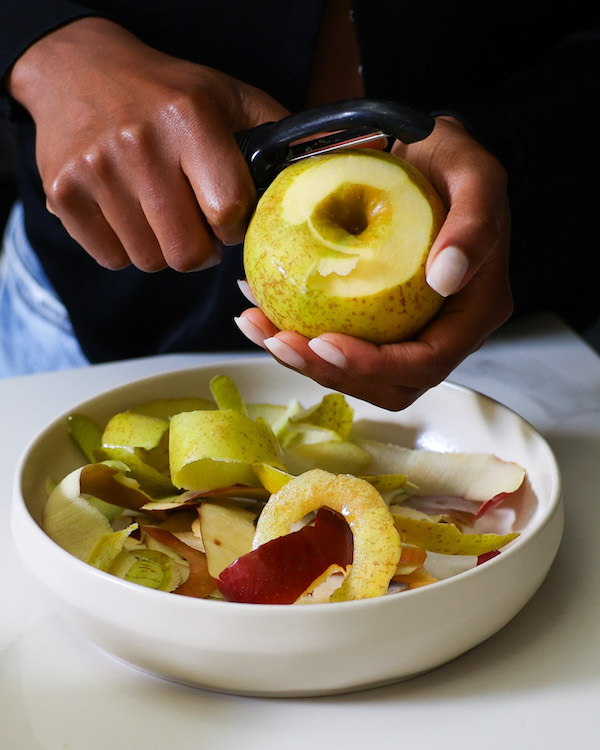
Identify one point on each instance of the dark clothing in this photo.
(522, 78)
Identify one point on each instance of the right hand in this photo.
(136, 148)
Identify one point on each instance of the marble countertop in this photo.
(536, 683)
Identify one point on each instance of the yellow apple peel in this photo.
(377, 544)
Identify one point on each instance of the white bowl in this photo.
(319, 649)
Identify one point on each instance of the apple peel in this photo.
(288, 567)
(332, 413)
(227, 531)
(422, 531)
(199, 583)
(87, 434)
(212, 449)
(470, 475)
(72, 517)
(226, 394)
(377, 544)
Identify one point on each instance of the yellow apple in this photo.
(339, 243)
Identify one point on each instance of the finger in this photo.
(389, 376)
(255, 326)
(85, 222)
(394, 375)
(293, 350)
(217, 169)
(421, 364)
(98, 204)
(296, 352)
(149, 202)
(172, 212)
(247, 292)
(221, 182)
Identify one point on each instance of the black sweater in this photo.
(522, 78)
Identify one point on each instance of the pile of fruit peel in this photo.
(271, 504)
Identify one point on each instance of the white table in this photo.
(535, 684)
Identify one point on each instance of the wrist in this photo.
(28, 80)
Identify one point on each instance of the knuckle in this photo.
(94, 160)
(131, 141)
(147, 259)
(178, 109)
(184, 257)
(397, 399)
(429, 365)
(114, 262)
(329, 379)
(227, 212)
(505, 309)
(435, 368)
(62, 188)
(151, 265)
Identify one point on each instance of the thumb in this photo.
(473, 184)
(257, 107)
(477, 226)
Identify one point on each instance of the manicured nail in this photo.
(284, 353)
(231, 234)
(250, 331)
(328, 352)
(448, 271)
(245, 290)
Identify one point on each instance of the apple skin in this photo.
(280, 571)
(338, 243)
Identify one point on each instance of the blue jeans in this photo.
(36, 334)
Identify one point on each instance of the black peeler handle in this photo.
(267, 147)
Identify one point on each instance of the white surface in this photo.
(534, 684)
(300, 651)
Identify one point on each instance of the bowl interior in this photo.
(447, 418)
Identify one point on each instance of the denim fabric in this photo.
(36, 333)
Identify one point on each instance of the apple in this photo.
(339, 242)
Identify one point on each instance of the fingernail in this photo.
(448, 271)
(213, 260)
(250, 331)
(328, 352)
(231, 235)
(245, 290)
(284, 353)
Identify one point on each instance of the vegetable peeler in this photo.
(272, 146)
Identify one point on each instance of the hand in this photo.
(136, 149)
(468, 264)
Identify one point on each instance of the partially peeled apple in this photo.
(339, 243)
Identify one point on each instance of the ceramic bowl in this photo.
(319, 649)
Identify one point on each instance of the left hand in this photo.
(468, 264)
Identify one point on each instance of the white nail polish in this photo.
(328, 353)
(250, 331)
(284, 353)
(448, 270)
(245, 290)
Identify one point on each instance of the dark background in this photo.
(7, 178)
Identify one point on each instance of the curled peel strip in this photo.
(377, 544)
